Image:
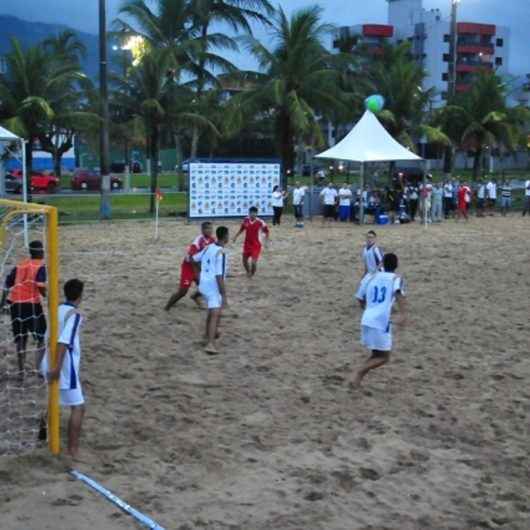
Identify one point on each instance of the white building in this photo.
(479, 46)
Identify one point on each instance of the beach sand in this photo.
(266, 435)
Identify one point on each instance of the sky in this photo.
(82, 14)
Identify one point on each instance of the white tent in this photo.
(368, 141)
(8, 136)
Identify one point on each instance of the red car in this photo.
(86, 179)
(40, 182)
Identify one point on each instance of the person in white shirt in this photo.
(448, 198)
(277, 202)
(526, 208)
(481, 198)
(68, 362)
(345, 200)
(298, 204)
(491, 194)
(377, 294)
(426, 199)
(329, 198)
(372, 255)
(213, 265)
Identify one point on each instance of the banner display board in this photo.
(229, 189)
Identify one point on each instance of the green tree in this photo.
(32, 94)
(298, 82)
(481, 119)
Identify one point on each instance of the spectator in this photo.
(426, 199)
(526, 208)
(464, 200)
(448, 198)
(329, 198)
(277, 201)
(437, 202)
(506, 197)
(298, 204)
(491, 195)
(456, 189)
(481, 198)
(345, 199)
(413, 196)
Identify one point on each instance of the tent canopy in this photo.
(368, 141)
(8, 136)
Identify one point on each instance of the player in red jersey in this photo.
(252, 226)
(187, 273)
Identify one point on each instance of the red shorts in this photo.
(252, 251)
(187, 275)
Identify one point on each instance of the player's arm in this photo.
(266, 231)
(54, 374)
(41, 280)
(195, 261)
(402, 309)
(241, 230)
(361, 293)
(220, 266)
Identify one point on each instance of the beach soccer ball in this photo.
(374, 103)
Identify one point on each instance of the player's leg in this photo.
(39, 333)
(246, 264)
(74, 429)
(377, 359)
(175, 297)
(213, 322)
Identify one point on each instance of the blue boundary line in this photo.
(140, 517)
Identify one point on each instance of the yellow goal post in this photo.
(17, 209)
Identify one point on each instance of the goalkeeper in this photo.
(24, 288)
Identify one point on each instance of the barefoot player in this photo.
(376, 295)
(252, 226)
(187, 273)
(213, 266)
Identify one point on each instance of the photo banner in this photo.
(229, 189)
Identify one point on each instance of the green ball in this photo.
(374, 103)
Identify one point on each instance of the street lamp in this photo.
(453, 46)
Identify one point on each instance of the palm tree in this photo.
(35, 97)
(298, 83)
(481, 119)
(151, 93)
(237, 14)
(66, 46)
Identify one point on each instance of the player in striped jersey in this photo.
(213, 265)
(187, 274)
(377, 294)
(372, 255)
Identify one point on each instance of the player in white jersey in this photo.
(68, 362)
(377, 294)
(213, 270)
(372, 255)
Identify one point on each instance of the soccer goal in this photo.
(29, 267)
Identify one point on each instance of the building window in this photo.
(446, 58)
(445, 77)
(498, 61)
(447, 38)
(500, 43)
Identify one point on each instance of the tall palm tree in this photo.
(66, 46)
(151, 93)
(481, 119)
(298, 82)
(237, 14)
(34, 93)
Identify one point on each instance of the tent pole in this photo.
(361, 202)
(25, 190)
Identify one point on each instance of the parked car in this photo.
(40, 182)
(86, 179)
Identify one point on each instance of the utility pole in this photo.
(453, 48)
(104, 155)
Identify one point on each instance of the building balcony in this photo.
(475, 49)
(469, 28)
(463, 87)
(378, 30)
(473, 67)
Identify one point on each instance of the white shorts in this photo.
(375, 339)
(212, 296)
(71, 398)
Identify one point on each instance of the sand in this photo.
(266, 435)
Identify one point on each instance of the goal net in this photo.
(28, 326)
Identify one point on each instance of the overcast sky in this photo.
(82, 14)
